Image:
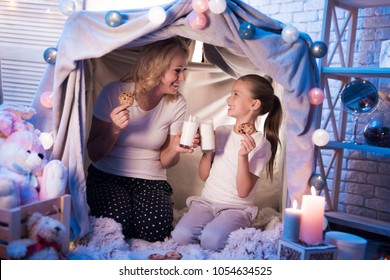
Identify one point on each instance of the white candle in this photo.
(292, 223)
(313, 208)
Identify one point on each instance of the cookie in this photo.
(168, 256)
(246, 128)
(156, 257)
(173, 256)
(126, 98)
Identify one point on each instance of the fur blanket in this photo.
(106, 241)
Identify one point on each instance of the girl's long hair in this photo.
(261, 88)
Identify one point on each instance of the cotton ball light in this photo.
(317, 181)
(50, 55)
(318, 49)
(217, 6)
(290, 33)
(316, 96)
(67, 7)
(247, 30)
(320, 137)
(47, 140)
(197, 21)
(200, 6)
(157, 15)
(113, 18)
(46, 99)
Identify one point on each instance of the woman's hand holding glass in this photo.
(195, 143)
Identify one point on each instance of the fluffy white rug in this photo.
(106, 241)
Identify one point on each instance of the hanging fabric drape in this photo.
(86, 37)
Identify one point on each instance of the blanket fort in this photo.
(75, 80)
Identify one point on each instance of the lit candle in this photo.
(313, 208)
(292, 222)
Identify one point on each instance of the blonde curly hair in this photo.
(153, 60)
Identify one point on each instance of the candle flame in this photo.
(295, 204)
(313, 190)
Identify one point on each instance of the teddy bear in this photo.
(24, 170)
(14, 118)
(45, 236)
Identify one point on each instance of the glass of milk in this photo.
(190, 126)
(207, 140)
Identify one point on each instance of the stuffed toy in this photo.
(25, 169)
(45, 236)
(13, 118)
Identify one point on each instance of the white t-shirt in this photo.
(220, 186)
(137, 150)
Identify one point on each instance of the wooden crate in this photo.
(296, 251)
(13, 221)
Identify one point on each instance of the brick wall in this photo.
(365, 179)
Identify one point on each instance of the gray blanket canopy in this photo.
(88, 46)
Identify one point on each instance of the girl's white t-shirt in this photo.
(220, 186)
(137, 150)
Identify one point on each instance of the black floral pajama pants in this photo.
(143, 207)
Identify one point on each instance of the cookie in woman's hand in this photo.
(126, 98)
(246, 128)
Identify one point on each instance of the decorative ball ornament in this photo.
(197, 21)
(46, 99)
(200, 6)
(157, 15)
(376, 133)
(217, 6)
(317, 181)
(320, 137)
(50, 55)
(113, 18)
(290, 33)
(318, 49)
(47, 140)
(67, 7)
(316, 96)
(247, 30)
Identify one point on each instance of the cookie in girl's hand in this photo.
(246, 128)
(126, 98)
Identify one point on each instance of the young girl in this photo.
(231, 172)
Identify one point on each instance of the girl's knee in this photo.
(182, 236)
(213, 241)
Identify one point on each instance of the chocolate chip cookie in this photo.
(246, 128)
(126, 98)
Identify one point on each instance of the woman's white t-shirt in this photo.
(137, 150)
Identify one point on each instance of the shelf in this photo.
(337, 72)
(364, 3)
(358, 222)
(341, 145)
(340, 32)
